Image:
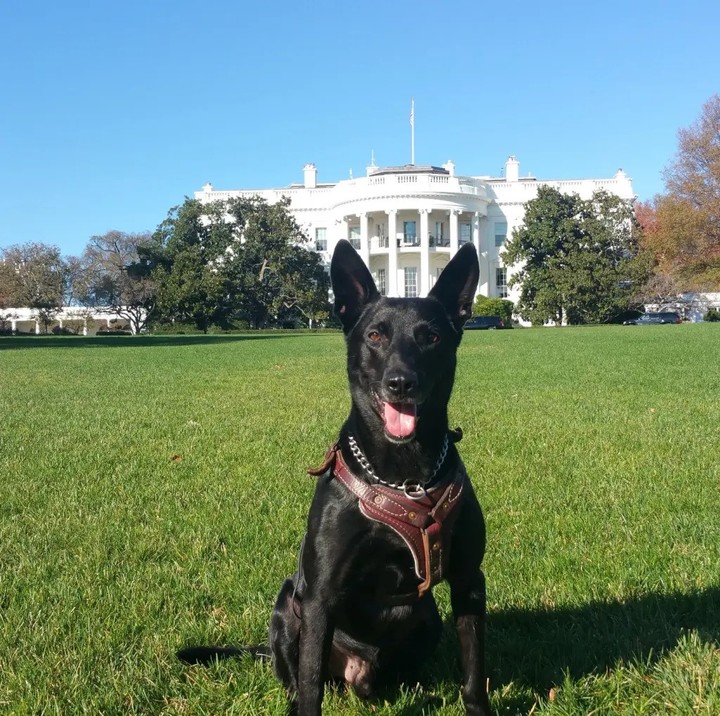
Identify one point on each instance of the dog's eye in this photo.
(374, 336)
(433, 337)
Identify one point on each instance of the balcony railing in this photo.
(410, 242)
(439, 241)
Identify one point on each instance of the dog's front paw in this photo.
(481, 708)
(478, 710)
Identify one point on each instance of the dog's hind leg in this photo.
(285, 634)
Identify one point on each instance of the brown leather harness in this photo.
(424, 521)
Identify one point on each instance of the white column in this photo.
(392, 287)
(37, 327)
(454, 232)
(364, 240)
(484, 283)
(476, 231)
(344, 229)
(13, 325)
(424, 287)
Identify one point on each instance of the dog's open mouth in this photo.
(400, 419)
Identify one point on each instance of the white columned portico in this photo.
(424, 253)
(364, 239)
(392, 289)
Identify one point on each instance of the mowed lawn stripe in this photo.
(153, 494)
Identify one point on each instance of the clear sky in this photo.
(112, 112)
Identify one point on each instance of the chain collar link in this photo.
(411, 488)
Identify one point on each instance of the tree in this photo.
(187, 259)
(271, 270)
(7, 284)
(241, 259)
(35, 276)
(686, 237)
(579, 260)
(111, 275)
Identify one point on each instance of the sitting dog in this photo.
(394, 512)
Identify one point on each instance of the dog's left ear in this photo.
(352, 284)
(455, 287)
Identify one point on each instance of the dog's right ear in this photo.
(455, 287)
(352, 284)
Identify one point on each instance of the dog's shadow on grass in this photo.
(536, 648)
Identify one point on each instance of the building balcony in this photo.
(381, 244)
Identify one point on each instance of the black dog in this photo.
(393, 512)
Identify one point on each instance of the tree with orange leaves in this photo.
(682, 227)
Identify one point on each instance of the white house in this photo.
(408, 221)
(79, 320)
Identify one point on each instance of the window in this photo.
(500, 232)
(383, 242)
(320, 239)
(439, 235)
(355, 237)
(465, 233)
(409, 233)
(380, 281)
(501, 282)
(410, 282)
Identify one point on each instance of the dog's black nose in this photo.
(401, 385)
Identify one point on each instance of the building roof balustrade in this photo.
(447, 189)
(428, 182)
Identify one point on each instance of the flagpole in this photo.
(412, 132)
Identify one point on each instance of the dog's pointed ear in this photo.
(456, 285)
(352, 284)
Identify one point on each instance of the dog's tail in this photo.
(207, 654)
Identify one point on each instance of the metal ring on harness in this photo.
(413, 490)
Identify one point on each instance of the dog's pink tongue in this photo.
(399, 419)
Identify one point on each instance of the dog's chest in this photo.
(425, 525)
(423, 522)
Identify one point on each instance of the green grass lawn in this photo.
(153, 495)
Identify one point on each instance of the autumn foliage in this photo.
(681, 228)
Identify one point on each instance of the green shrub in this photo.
(485, 306)
(712, 315)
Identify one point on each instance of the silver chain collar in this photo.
(412, 489)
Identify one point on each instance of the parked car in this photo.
(485, 323)
(647, 319)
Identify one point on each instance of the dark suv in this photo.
(485, 323)
(648, 319)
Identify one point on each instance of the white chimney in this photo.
(512, 169)
(310, 176)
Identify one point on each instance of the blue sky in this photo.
(112, 112)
